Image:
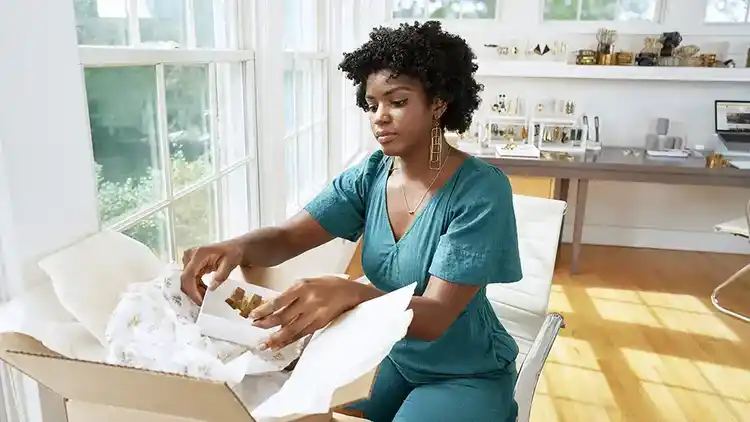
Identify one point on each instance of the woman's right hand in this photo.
(219, 258)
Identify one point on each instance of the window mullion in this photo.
(747, 11)
(134, 26)
(216, 148)
(164, 153)
(189, 23)
(580, 10)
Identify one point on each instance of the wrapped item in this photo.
(154, 327)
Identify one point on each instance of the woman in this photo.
(427, 213)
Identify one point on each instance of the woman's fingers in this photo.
(280, 301)
(281, 317)
(300, 327)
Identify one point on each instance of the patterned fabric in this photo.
(153, 327)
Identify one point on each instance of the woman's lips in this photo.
(384, 138)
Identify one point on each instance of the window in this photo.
(171, 125)
(728, 11)
(602, 10)
(353, 118)
(444, 9)
(305, 101)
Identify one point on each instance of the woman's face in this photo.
(400, 115)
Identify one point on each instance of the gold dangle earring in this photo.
(436, 146)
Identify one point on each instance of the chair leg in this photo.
(531, 369)
(729, 281)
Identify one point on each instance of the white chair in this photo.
(738, 227)
(522, 306)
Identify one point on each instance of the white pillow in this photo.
(90, 276)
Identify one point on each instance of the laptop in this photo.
(732, 125)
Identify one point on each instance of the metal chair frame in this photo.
(735, 277)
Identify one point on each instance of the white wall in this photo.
(644, 215)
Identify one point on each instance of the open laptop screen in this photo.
(733, 117)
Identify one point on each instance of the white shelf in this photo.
(558, 70)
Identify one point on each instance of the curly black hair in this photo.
(441, 61)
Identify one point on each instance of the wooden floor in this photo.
(643, 342)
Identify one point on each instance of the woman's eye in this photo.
(372, 108)
(399, 103)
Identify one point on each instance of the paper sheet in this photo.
(346, 350)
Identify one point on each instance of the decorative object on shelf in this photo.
(649, 55)
(606, 39)
(686, 53)
(669, 42)
(624, 58)
(586, 57)
(716, 161)
(747, 63)
(569, 108)
(597, 142)
(707, 60)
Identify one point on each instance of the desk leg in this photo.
(561, 193)
(582, 194)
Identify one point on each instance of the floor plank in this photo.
(643, 342)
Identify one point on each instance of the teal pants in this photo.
(396, 399)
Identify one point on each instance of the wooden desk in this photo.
(613, 164)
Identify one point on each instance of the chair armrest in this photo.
(532, 366)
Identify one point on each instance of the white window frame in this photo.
(590, 26)
(460, 18)
(728, 24)
(320, 120)
(239, 15)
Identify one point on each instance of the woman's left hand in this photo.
(306, 307)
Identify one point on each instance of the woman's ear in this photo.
(438, 108)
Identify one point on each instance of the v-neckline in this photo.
(430, 202)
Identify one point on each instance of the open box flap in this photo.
(125, 387)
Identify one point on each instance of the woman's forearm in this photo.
(431, 318)
(271, 246)
(265, 247)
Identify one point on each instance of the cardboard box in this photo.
(94, 391)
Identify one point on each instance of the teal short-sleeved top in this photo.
(465, 234)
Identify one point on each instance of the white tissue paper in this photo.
(346, 350)
(154, 327)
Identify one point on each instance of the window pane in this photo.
(409, 9)
(290, 123)
(320, 93)
(477, 9)
(305, 158)
(122, 114)
(152, 232)
(162, 22)
(320, 154)
(290, 177)
(301, 25)
(188, 120)
(101, 22)
(195, 220)
(559, 10)
(634, 10)
(235, 202)
(352, 133)
(726, 11)
(598, 10)
(207, 27)
(303, 90)
(231, 98)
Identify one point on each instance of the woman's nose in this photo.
(382, 115)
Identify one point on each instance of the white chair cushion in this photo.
(522, 306)
(89, 276)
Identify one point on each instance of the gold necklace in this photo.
(403, 189)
